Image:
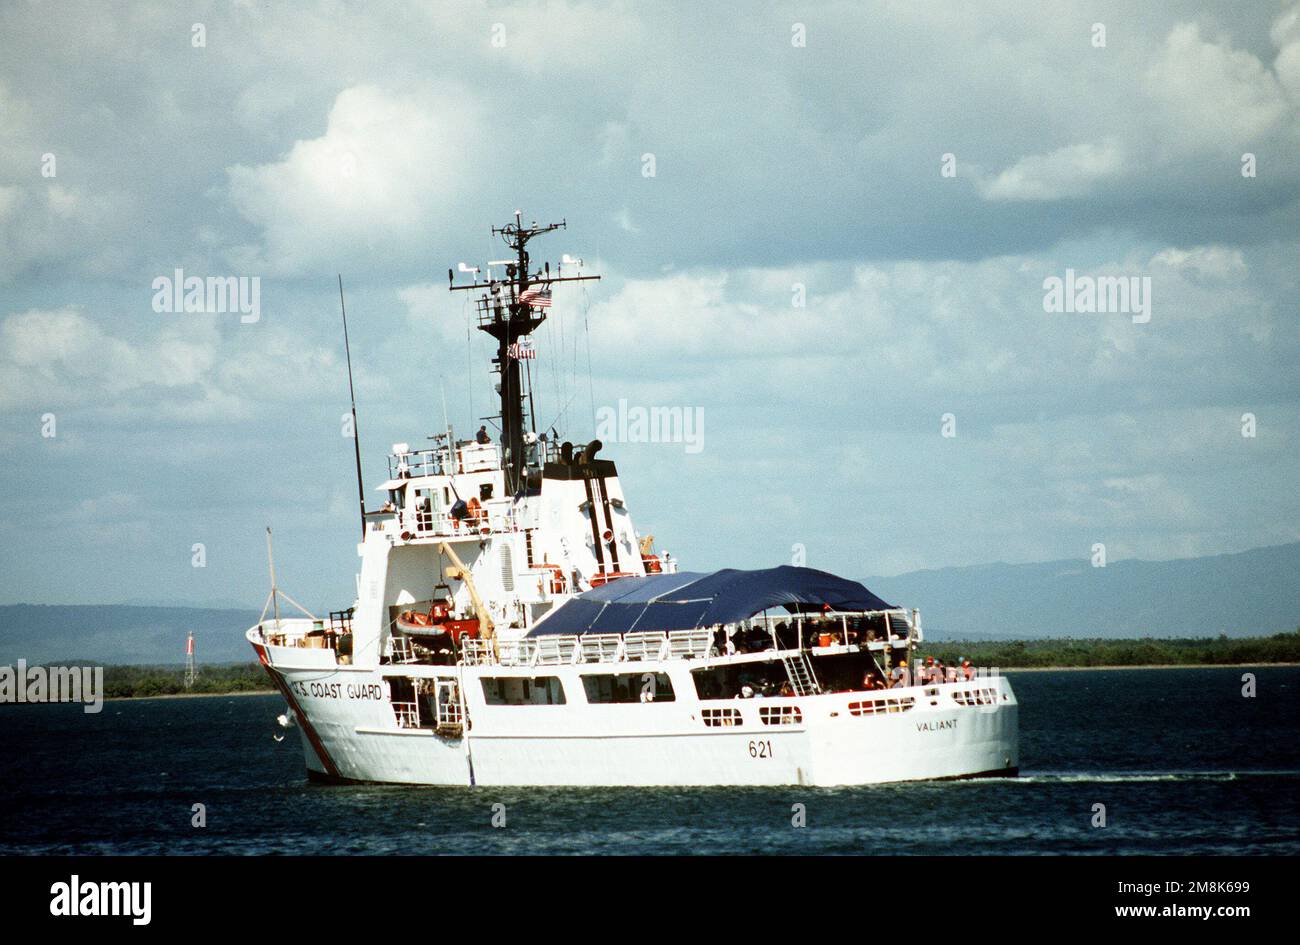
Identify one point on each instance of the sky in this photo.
(826, 230)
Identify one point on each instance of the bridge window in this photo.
(523, 690)
(628, 687)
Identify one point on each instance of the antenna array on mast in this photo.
(511, 309)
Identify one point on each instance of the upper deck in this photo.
(467, 456)
(763, 639)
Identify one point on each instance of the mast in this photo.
(509, 311)
(356, 434)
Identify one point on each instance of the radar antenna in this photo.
(511, 309)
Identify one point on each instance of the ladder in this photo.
(450, 722)
(402, 650)
(801, 674)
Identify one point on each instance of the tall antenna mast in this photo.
(510, 310)
(356, 434)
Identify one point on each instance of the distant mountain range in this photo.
(122, 634)
(1248, 594)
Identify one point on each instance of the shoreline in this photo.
(195, 695)
(1004, 670)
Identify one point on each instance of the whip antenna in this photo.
(356, 434)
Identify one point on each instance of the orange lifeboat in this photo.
(436, 622)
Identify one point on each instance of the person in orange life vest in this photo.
(967, 670)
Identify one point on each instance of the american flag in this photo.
(522, 351)
(537, 298)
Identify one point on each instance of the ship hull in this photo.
(351, 733)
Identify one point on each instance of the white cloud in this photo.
(1212, 262)
(9, 197)
(624, 220)
(386, 165)
(60, 357)
(289, 151)
(556, 36)
(1070, 171)
(1211, 94)
(187, 371)
(1286, 37)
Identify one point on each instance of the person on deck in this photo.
(482, 436)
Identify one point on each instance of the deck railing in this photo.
(408, 714)
(570, 649)
(428, 462)
(413, 524)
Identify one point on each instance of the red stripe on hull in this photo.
(285, 690)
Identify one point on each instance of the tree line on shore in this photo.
(1072, 653)
(145, 681)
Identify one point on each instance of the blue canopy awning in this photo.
(693, 599)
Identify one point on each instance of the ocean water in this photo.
(1181, 760)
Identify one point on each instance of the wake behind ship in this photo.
(512, 627)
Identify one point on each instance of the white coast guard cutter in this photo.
(511, 627)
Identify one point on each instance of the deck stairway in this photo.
(801, 674)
